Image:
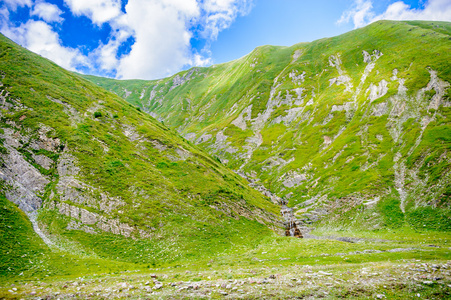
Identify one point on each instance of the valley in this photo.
(198, 185)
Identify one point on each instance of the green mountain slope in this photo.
(355, 127)
(109, 181)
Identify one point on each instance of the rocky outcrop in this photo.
(24, 184)
(99, 221)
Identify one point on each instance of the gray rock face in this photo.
(44, 142)
(159, 146)
(439, 86)
(23, 172)
(245, 115)
(66, 165)
(380, 109)
(297, 78)
(347, 106)
(24, 181)
(70, 111)
(25, 185)
(115, 227)
(342, 79)
(297, 54)
(190, 136)
(43, 161)
(377, 91)
(89, 218)
(130, 133)
(203, 138)
(182, 153)
(179, 80)
(11, 138)
(293, 179)
(71, 189)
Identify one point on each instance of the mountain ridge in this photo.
(249, 112)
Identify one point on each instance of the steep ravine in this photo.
(293, 226)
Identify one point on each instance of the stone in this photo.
(203, 138)
(324, 273)
(158, 286)
(67, 165)
(87, 217)
(293, 179)
(43, 161)
(380, 109)
(24, 180)
(377, 91)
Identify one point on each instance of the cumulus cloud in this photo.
(362, 14)
(99, 11)
(162, 38)
(39, 37)
(48, 12)
(157, 33)
(162, 32)
(200, 61)
(14, 4)
(434, 10)
(220, 14)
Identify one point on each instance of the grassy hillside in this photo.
(107, 180)
(98, 200)
(355, 127)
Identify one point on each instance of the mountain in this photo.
(103, 180)
(347, 136)
(354, 127)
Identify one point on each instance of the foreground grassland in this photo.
(393, 264)
(389, 263)
(282, 268)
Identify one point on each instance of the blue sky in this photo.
(150, 39)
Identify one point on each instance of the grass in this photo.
(366, 166)
(199, 217)
(179, 201)
(67, 272)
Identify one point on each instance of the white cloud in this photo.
(39, 37)
(361, 13)
(162, 38)
(220, 14)
(14, 4)
(434, 10)
(46, 11)
(160, 33)
(200, 61)
(99, 11)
